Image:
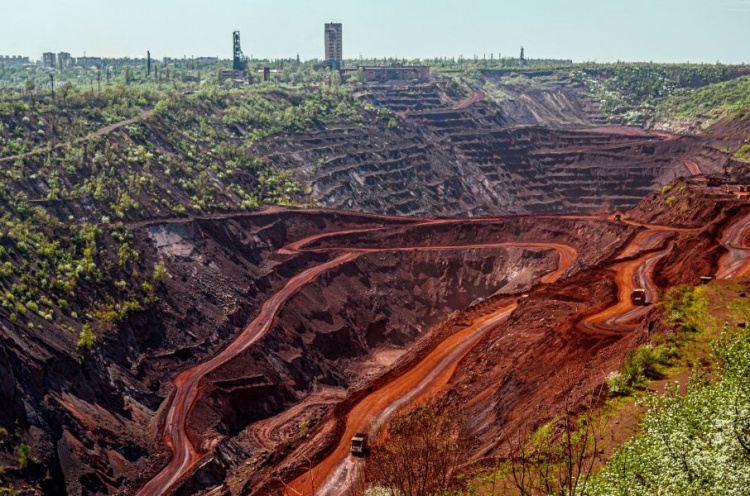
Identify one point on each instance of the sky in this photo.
(582, 30)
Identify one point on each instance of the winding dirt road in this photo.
(184, 454)
(187, 384)
(629, 275)
(339, 470)
(432, 373)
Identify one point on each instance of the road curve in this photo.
(567, 254)
(622, 317)
(175, 435)
(736, 262)
(429, 375)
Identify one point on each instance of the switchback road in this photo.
(187, 384)
(734, 237)
(434, 371)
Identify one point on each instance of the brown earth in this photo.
(376, 306)
(421, 285)
(541, 357)
(540, 151)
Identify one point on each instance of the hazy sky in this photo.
(603, 30)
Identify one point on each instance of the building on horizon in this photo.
(334, 45)
(89, 62)
(64, 60)
(49, 59)
(14, 59)
(202, 61)
(384, 74)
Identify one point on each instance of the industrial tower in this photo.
(240, 64)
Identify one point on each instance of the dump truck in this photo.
(359, 444)
(638, 296)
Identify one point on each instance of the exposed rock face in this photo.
(95, 423)
(327, 333)
(536, 152)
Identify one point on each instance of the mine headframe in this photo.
(240, 63)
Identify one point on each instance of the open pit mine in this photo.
(501, 256)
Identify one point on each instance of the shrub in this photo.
(638, 367)
(160, 272)
(617, 383)
(86, 339)
(23, 455)
(421, 454)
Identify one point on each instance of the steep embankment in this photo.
(220, 271)
(303, 345)
(126, 264)
(444, 158)
(583, 325)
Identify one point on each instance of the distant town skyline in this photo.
(582, 30)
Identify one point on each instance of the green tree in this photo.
(30, 87)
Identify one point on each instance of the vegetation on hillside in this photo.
(12, 443)
(66, 253)
(712, 101)
(632, 93)
(26, 124)
(27, 80)
(698, 443)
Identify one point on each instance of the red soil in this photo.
(187, 385)
(633, 267)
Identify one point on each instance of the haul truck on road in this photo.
(638, 297)
(359, 444)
